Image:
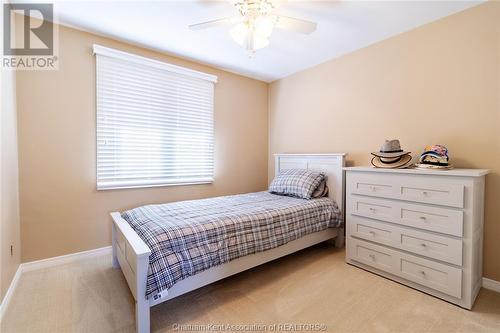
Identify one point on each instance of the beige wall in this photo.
(436, 84)
(61, 211)
(9, 183)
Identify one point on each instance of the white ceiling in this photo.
(343, 26)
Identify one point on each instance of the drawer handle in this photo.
(372, 256)
(373, 210)
(425, 193)
(373, 188)
(423, 274)
(423, 245)
(423, 218)
(373, 233)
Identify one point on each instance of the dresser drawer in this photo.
(374, 256)
(433, 192)
(442, 220)
(444, 278)
(418, 188)
(373, 185)
(433, 246)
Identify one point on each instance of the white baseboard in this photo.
(66, 259)
(8, 295)
(491, 284)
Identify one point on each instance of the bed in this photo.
(160, 260)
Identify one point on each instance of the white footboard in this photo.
(131, 254)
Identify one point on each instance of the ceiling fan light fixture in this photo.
(239, 33)
(251, 39)
(264, 25)
(256, 22)
(259, 42)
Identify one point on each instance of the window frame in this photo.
(112, 53)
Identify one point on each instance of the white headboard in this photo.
(331, 164)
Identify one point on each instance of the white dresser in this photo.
(418, 227)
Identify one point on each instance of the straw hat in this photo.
(391, 156)
(391, 163)
(390, 148)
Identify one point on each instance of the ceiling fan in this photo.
(255, 24)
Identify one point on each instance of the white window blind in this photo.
(154, 122)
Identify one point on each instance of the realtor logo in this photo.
(29, 43)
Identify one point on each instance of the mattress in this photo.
(189, 237)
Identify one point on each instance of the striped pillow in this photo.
(296, 182)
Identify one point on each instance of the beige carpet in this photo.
(313, 286)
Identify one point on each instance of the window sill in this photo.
(123, 187)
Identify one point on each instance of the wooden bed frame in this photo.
(131, 254)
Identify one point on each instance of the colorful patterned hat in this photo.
(436, 155)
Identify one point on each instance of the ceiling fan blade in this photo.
(294, 24)
(215, 23)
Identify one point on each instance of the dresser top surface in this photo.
(414, 171)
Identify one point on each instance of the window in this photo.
(154, 122)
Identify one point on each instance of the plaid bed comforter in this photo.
(188, 237)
